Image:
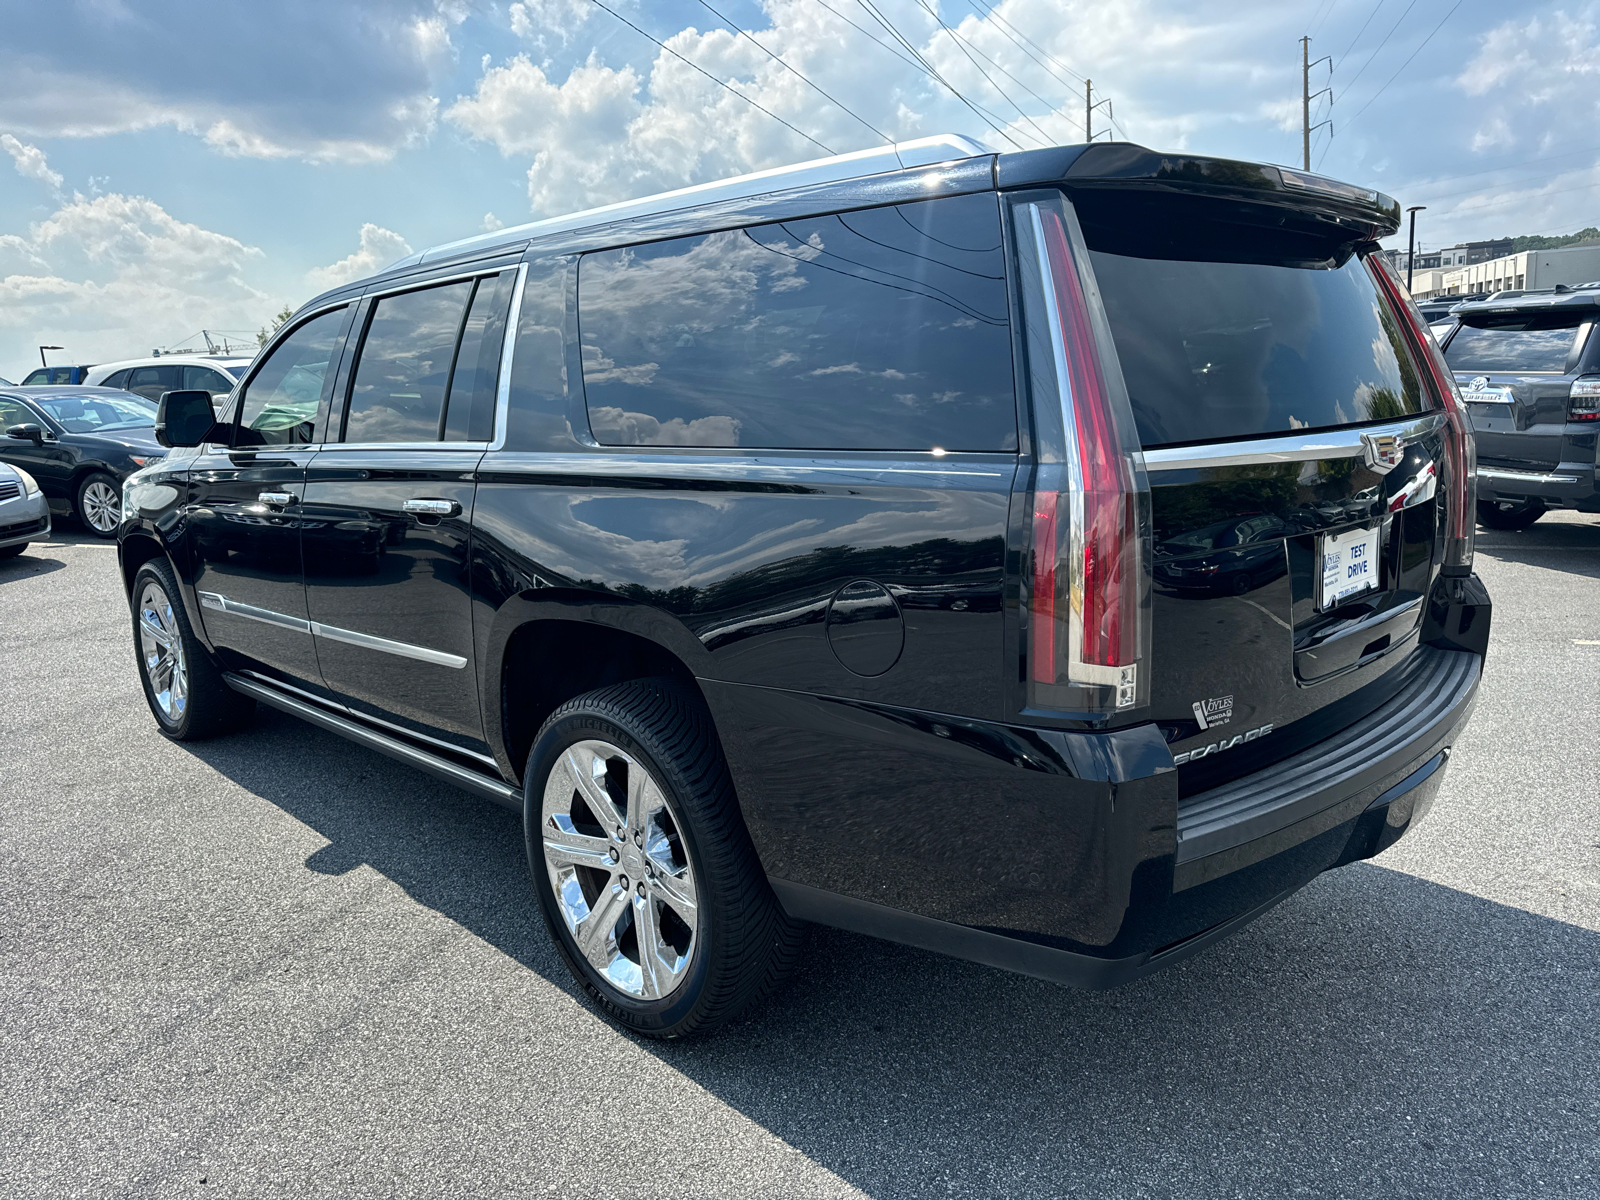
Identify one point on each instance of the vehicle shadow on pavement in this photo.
(1377, 1034)
(35, 560)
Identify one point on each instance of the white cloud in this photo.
(379, 248)
(537, 19)
(313, 79)
(111, 276)
(30, 162)
(492, 223)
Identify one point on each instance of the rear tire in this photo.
(1502, 514)
(98, 502)
(182, 686)
(645, 873)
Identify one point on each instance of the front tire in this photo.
(99, 504)
(182, 685)
(1494, 514)
(644, 870)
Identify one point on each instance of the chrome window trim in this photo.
(418, 285)
(508, 351)
(217, 602)
(336, 447)
(1292, 447)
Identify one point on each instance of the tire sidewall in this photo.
(657, 1017)
(77, 500)
(153, 572)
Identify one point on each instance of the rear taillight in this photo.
(1583, 402)
(1461, 476)
(1088, 620)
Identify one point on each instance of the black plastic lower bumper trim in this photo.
(805, 903)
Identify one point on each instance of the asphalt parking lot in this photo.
(279, 965)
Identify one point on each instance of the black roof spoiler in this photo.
(1364, 214)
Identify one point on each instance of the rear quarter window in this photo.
(1218, 350)
(883, 329)
(1522, 342)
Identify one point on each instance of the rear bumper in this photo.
(1240, 849)
(1567, 485)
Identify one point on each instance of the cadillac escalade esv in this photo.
(1053, 559)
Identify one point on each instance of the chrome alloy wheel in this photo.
(161, 652)
(102, 507)
(620, 870)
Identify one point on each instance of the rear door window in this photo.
(1219, 350)
(150, 382)
(1518, 342)
(204, 379)
(879, 329)
(429, 364)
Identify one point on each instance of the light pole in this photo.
(1411, 250)
(42, 349)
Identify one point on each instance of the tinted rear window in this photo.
(879, 329)
(1519, 342)
(1215, 350)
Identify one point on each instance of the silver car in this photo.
(24, 512)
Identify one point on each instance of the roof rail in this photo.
(944, 147)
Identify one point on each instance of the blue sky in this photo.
(180, 164)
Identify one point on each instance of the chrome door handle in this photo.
(424, 507)
(276, 499)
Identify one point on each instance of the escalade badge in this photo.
(1383, 451)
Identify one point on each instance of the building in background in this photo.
(1460, 255)
(1532, 270)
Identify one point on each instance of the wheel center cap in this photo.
(633, 860)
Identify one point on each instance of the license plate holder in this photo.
(1347, 565)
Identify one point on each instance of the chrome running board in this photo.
(499, 791)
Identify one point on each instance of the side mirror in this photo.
(29, 432)
(184, 418)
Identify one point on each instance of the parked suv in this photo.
(154, 377)
(1529, 372)
(786, 550)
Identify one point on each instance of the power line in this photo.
(1403, 66)
(961, 44)
(870, 36)
(1028, 47)
(1359, 32)
(1380, 46)
(888, 27)
(1331, 6)
(712, 77)
(795, 72)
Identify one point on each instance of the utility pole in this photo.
(1089, 105)
(1411, 248)
(1307, 96)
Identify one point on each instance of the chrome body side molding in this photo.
(217, 602)
(498, 790)
(1291, 447)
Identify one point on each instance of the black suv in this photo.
(1529, 371)
(1053, 559)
